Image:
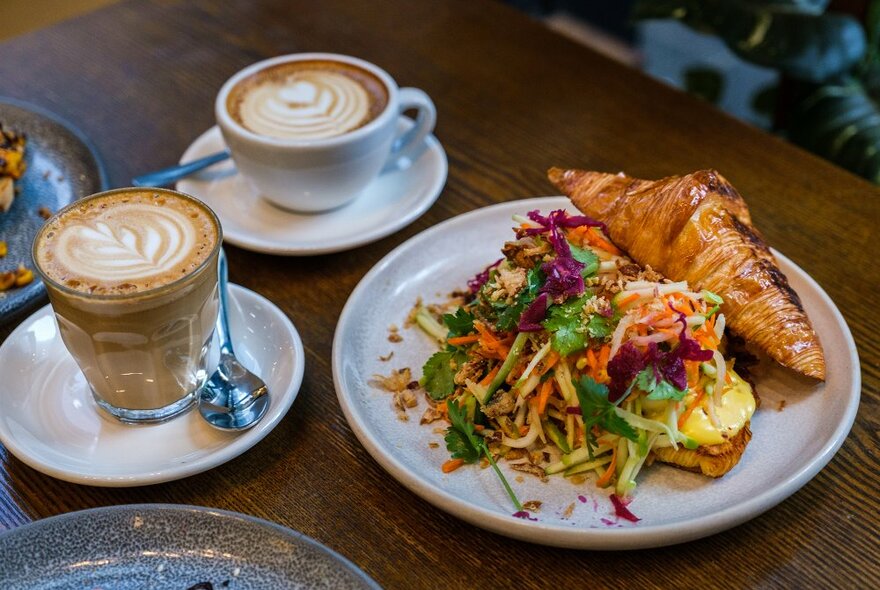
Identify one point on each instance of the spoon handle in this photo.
(174, 173)
(223, 316)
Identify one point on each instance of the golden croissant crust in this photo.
(697, 228)
(713, 460)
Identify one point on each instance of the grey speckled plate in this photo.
(165, 546)
(62, 166)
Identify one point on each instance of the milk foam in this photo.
(306, 104)
(129, 242)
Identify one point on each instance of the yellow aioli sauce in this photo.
(737, 407)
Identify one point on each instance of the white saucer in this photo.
(392, 201)
(50, 421)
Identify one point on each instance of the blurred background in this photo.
(807, 70)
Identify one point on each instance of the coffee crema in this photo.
(126, 242)
(306, 100)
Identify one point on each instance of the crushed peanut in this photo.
(4, 249)
(44, 212)
(532, 505)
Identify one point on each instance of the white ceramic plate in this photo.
(392, 201)
(50, 421)
(788, 447)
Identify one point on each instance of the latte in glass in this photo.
(132, 278)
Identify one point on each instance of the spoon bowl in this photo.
(232, 398)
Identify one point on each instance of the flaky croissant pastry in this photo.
(697, 228)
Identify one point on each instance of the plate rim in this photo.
(236, 447)
(29, 301)
(583, 538)
(103, 178)
(436, 187)
(207, 511)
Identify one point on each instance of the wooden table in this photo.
(513, 98)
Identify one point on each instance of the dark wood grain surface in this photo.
(513, 99)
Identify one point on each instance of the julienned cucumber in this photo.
(588, 466)
(576, 457)
(515, 351)
(556, 435)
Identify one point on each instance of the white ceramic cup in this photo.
(320, 174)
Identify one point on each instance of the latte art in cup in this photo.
(307, 100)
(126, 242)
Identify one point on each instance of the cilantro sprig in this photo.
(438, 372)
(461, 323)
(657, 389)
(598, 411)
(464, 444)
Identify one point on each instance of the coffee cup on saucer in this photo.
(310, 131)
(132, 278)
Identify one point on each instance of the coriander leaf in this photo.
(460, 439)
(587, 258)
(666, 390)
(599, 326)
(598, 411)
(463, 444)
(461, 323)
(566, 339)
(438, 373)
(646, 380)
(564, 322)
(508, 316)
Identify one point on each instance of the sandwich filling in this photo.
(566, 357)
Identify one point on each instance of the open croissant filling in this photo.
(566, 357)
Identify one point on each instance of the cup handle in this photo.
(410, 144)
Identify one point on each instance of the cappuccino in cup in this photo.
(132, 278)
(310, 131)
(304, 100)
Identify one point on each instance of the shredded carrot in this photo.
(523, 430)
(491, 375)
(595, 238)
(544, 395)
(627, 300)
(459, 340)
(479, 428)
(609, 472)
(693, 372)
(452, 465)
(687, 413)
(604, 353)
(592, 362)
(552, 359)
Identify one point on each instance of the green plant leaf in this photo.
(794, 37)
(706, 83)
(840, 122)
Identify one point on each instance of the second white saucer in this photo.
(392, 201)
(50, 421)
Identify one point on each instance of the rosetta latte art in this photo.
(306, 105)
(138, 242)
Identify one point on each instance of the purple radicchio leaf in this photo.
(667, 366)
(531, 318)
(476, 283)
(623, 368)
(688, 348)
(564, 278)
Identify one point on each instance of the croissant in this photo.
(697, 228)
